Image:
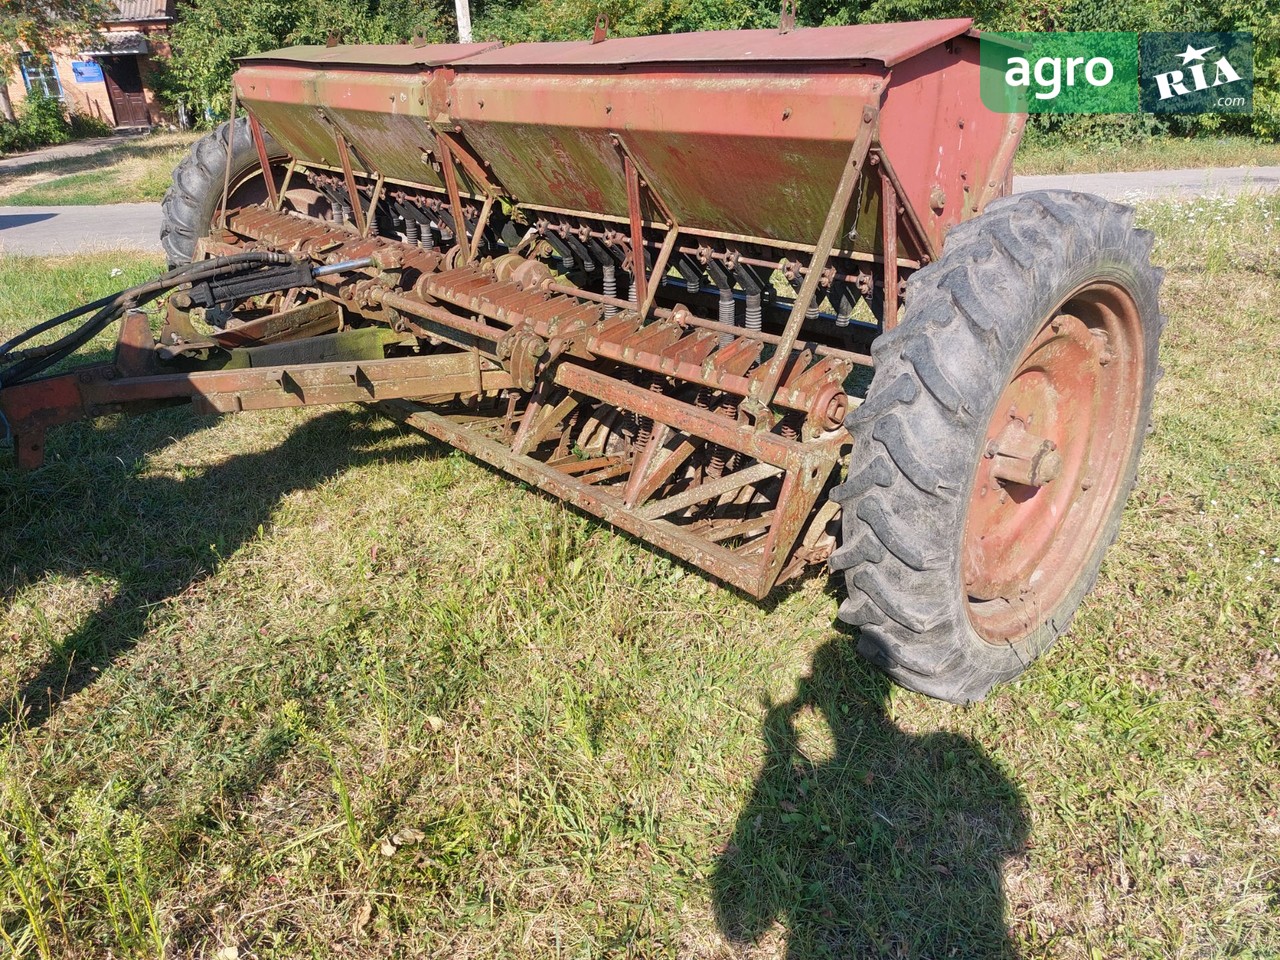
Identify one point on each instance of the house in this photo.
(107, 76)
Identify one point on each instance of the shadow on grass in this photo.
(865, 840)
(91, 513)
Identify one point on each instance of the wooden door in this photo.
(124, 87)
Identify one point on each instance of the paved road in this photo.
(136, 226)
(53, 230)
(1211, 181)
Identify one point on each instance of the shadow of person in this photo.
(864, 840)
(153, 535)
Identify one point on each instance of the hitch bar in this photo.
(129, 384)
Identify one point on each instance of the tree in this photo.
(211, 34)
(39, 26)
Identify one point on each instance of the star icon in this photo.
(1191, 53)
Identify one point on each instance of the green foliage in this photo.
(517, 20)
(40, 27)
(44, 120)
(84, 126)
(554, 20)
(41, 122)
(210, 34)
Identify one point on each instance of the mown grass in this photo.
(305, 684)
(1162, 153)
(137, 171)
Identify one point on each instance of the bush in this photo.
(10, 137)
(41, 123)
(44, 120)
(84, 126)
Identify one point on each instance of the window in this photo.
(39, 75)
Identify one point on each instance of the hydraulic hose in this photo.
(25, 364)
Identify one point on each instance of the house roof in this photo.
(116, 43)
(140, 10)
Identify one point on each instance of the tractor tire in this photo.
(191, 202)
(998, 441)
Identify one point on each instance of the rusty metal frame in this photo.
(344, 156)
(764, 388)
(130, 382)
(754, 570)
(455, 199)
(260, 145)
(221, 219)
(376, 195)
(284, 186)
(889, 235)
(638, 277)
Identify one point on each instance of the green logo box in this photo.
(1060, 72)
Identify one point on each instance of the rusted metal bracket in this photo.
(764, 388)
(787, 19)
(481, 224)
(646, 287)
(601, 32)
(378, 184)
(637, 229)
(221, 219)
(260, 144)
(455, 198)
(889, 243)
(348, 174)
(463, 157)
(918, 237)
(284, 187)
(659, 269)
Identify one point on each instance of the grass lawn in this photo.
(1166, 153)
(303, 684)
(136, 171)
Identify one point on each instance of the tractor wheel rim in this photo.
(1055, 460)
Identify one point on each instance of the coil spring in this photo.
(610, 287)
(754, 317)
(727, 314)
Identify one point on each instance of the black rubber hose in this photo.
(181, 274)
(110, 309)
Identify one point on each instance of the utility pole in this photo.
(463, 7)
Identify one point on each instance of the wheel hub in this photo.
(1053, 462)
(1020, 456)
